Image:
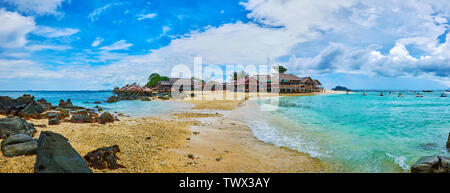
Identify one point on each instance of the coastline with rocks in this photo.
(210, 136)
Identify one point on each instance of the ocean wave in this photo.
(399, 160)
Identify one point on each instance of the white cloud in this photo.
(39, 7)
(119, 45)
(14, 28)
(97, 42)
(146, 16)
(51, 32)
(94, 15)
(47, 47)
(349, 34)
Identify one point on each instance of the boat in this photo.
(427, 91)
(364, 94)
(381, 94)
(443, 95)
(418, 95)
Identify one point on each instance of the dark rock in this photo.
(11, 126)
(54, 121)
(44, 104)
(32, 110)
(81, 119)
(64, 112)
(19, 144)
(24, 100)
(14, 110)
(112, 99)
(432, 164)
(56, 155)
(429, 146)
(66, 105)
(427, 164)
(80, 112)
(54, 114)
(97, 102)
(106, 118)
(5, 104)
(448, 141)
(99, 109)
(103, 158)
(445, 164)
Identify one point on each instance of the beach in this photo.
(206, 138)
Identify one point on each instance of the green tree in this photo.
(280, 69)
(238, 75)
(154, 79)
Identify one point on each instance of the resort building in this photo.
(287, 83)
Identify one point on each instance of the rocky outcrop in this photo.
(46, 105)
(106, 118)
(81, 118)
(11, 126)
(5, 104)
(24, 100)
(19, 144)
(130, 92)
(103, 158)
(54, 121)
(56, 155)
(65, 105)
(448, 141)
(432, 164)
(32, 110)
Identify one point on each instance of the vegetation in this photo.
(154, 79)
(238, 75)
(280, 69)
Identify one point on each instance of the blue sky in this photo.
(99, 44)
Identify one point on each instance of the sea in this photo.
(349, 133)
(356, 133)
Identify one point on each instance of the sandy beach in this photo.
(206, 138)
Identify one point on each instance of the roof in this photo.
(245, 80)
(289, 77)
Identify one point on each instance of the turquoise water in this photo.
(355, 133)
(87, 99)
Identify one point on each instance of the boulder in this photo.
(24, 100)
(103, 158)
(54, 121)
(46, 105)
(32, 110)
(84, 118)
(14, 110)
(106, 118)
(97, 102)
(65, 105)
(112, 99)
(5, 104)
(448, 141)
(11, 126)
(431, 164)
(20, 144)
(56, 155)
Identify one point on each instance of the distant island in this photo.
(340, 88)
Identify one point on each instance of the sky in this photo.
(100, 44)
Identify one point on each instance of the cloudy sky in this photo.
(99, 44)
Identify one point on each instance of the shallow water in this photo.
(358, 133)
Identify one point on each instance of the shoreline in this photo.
(163, 143)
